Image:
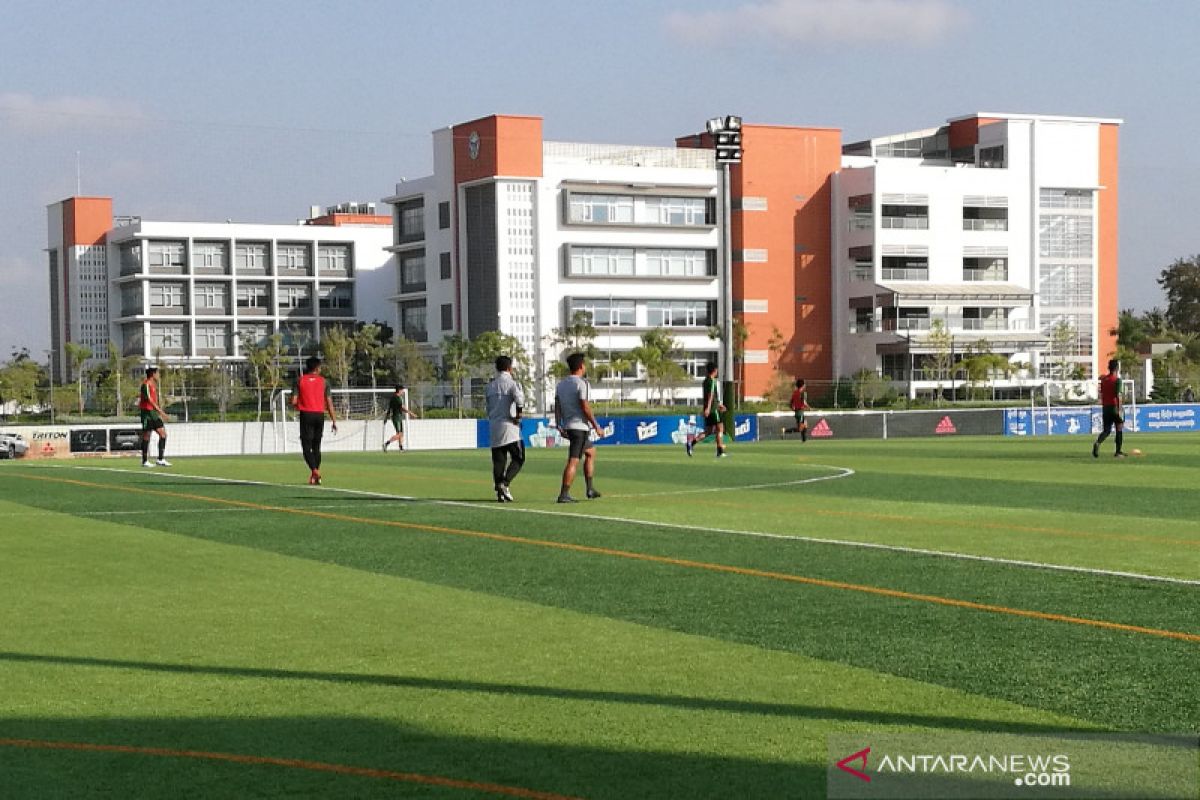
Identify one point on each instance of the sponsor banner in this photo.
(89, 441)
(540, 431)
(1089, 420)
(950, 766)
(122, 441)
(825, 426)
(949, 422)
(46, 441)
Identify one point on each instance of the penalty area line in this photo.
(510, 509)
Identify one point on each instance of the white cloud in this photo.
(24, 112)
(829, 22)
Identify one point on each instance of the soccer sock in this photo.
(162, 448)
(588, 479)
(145, 450)
(564, 491)
(1120, 440)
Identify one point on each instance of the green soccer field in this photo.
(220, 629)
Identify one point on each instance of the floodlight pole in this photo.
(727, 276)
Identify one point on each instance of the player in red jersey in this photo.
(312, 399)
(799, 404)
(152, 416)
(1110, 409)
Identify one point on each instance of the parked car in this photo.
(12, 445)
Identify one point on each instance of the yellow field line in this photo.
(679, 562)
(294, 763)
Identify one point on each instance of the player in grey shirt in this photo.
(573, 415)
(504, 401)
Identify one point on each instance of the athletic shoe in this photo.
(1118, 455)
(722, 454)
(1095, 450)
(147, 464)
(162, 462)
(500, 497)
(385, 444)
(592, 494)
(506, 494)
(566, 498)
(688, 447)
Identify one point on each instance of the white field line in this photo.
(505, 508)
(158, 511)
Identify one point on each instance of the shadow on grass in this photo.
(559, 693)
(558, 770)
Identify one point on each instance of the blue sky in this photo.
(254, 111)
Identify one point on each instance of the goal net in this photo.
(360, 414)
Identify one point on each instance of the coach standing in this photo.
(312, 399)
(574, 418)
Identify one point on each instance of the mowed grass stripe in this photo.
(687, 563)
(292, 763)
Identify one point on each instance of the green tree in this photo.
(77, 354)
(221, 386)
(456, 364)
(118, 377)
(411, 367)
(20, 378)
(1063, 345)
(488, 346)
(1181, 282)
(369, 345)
(338, 347)
(868, 387)
(980, 364)
(940, 361)
(779, 390)
(577, 336)
(656, 355)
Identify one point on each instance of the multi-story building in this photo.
(514, 233)
(1001, 226)
(190, 292)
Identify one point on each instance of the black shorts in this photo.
(713, 419)
(1111, 415)
(579, 441)
(151, 421)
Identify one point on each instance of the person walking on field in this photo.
(799, 404)
(711, 412)
(399, 411)
(152, 416)
(504, 401)
(313, 399)
(1110, 409)
(575, 420)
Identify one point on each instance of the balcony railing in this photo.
(905, 274)
(862, 273)
(985, 225)
(910, 324)
(907, 223)
(990, 274)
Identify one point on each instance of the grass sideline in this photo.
(449, 637)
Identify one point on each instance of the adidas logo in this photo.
(945, 426)
(821, 430)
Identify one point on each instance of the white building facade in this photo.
(1001, 226)
(517, 234)
(192, 292)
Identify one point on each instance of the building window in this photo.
(680, 313)
(251, 257)
(601, 208)
(606, 312)
(256, 335)
(294, 297)
(1065, 236)
(252, 295)
(601, 261)
(166, 255)
(412, 272)
(444, 215)
(336, 298)
(412, 320)
(293, 257)
(678, 263)
(447, 316)
(211, 337)
(166, 295)
(334, 258)
(984, 219)
(677, 211)
(906, 268)
(166, 337)
(1065, 198)
(210, 296)
(211, 255)
(985, 269)
(694, 363)
(906, 216)
(444, 267)
(410, 221)
(991, 157)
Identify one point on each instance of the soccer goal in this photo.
(360, 413)
(1071, 406)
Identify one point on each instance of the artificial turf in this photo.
(578, 653)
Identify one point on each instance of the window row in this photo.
(215, 298)
(585, 262)
(248, 257)
(607, 312)
(622, 209)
